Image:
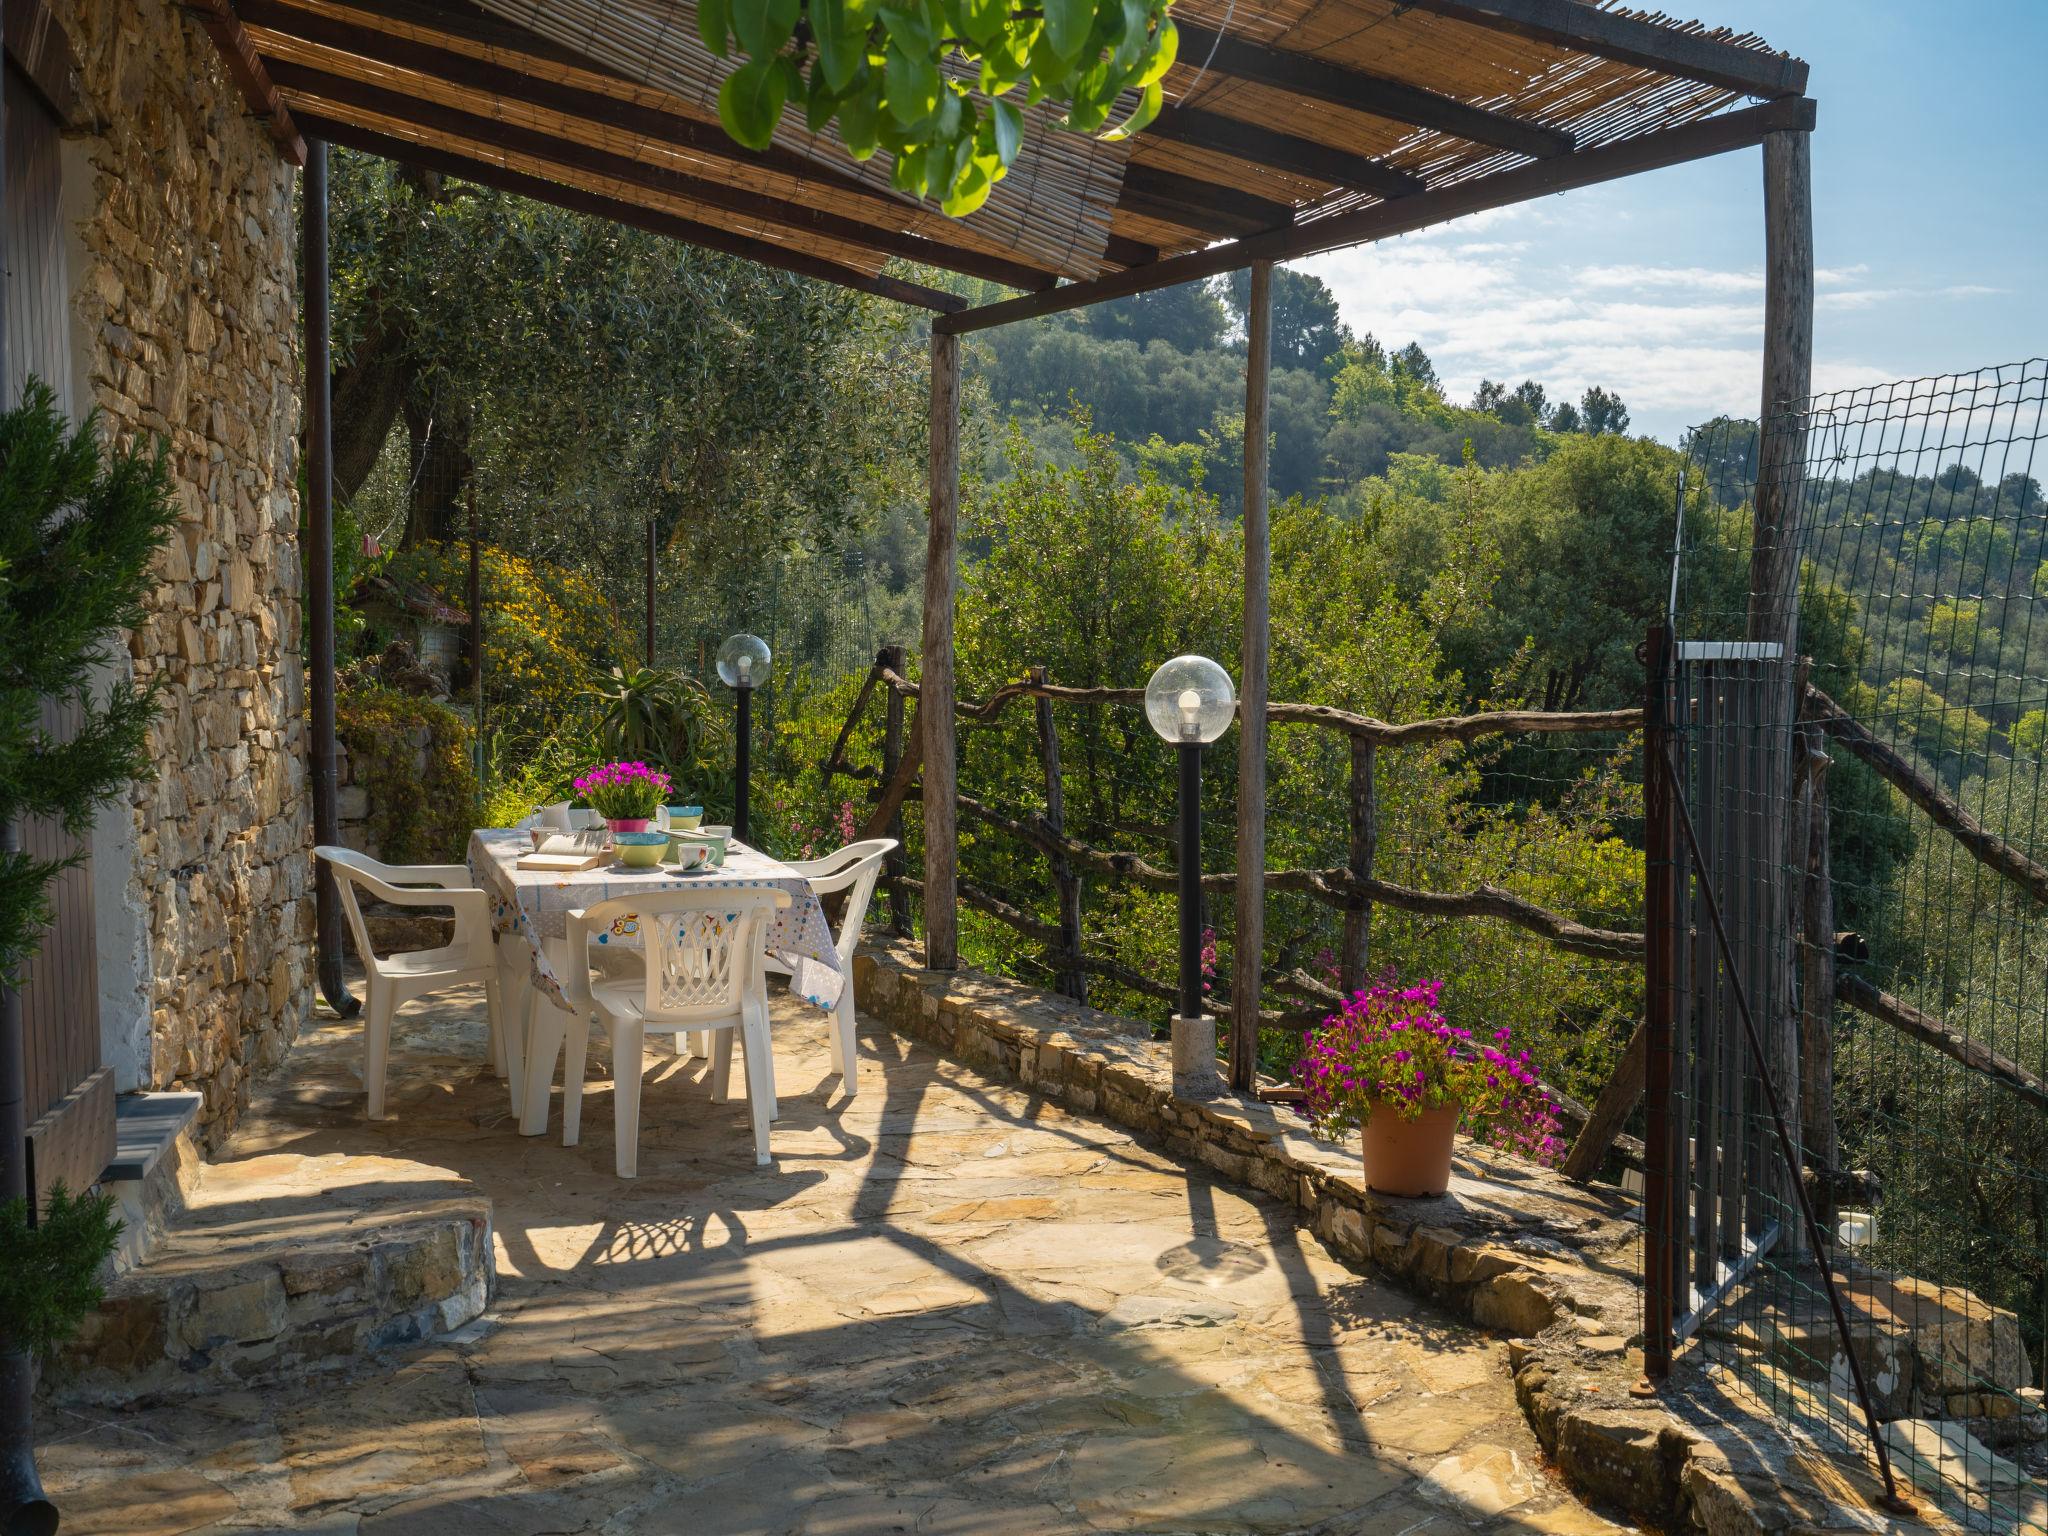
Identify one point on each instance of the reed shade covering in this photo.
(1053, 208)
(1280, 113)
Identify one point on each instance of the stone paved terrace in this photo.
(950, 1307)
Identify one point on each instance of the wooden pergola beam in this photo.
(245, 68)
(576, 157)
(579, 200)
(1281, 151)
(1341, 86)
(1169, 198)
(274, 20)
(1632, 40)
(1587, 167)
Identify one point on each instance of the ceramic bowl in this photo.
(640, 850)
(685, 818)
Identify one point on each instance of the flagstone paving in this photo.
(948, 1308)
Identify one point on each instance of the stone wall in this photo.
(185, 298)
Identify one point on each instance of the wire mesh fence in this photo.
(1868, 815)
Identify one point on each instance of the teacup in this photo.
(687, 856)
(713, 842)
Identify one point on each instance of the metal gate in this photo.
(1726, 712)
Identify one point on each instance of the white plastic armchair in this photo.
(854, 869)
(703, 951)
(393, 981)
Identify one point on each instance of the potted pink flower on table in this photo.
(626, 795)
(1390, 1064)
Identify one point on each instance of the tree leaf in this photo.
(1146, 109)
(858, 120)
(751, 100)
(750, 25)
(1009, 125)
(782, 19)
(1165, 49)
(911, 85)
(714, 25)
(1068, 24)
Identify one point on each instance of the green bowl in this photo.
(640, 850)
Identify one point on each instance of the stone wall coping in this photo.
(1513, 1247)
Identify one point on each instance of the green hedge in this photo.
(415, 817)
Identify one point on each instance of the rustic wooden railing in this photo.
(1355, 890)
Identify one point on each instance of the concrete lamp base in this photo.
(1194, 1058)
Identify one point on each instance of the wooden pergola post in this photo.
(1247, 955)
(1773, 615)
(935, 678)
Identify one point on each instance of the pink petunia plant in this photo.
(624, 791)
(1391, 1050)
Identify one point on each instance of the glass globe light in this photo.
(743, 661)
(1190, 699)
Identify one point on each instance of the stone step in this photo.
(286, 1264)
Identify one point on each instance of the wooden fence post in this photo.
(891, 656)
(935, 682)
(1365, 836)
(1073, 981)
(1247, 960)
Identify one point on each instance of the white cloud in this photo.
(1679, 343)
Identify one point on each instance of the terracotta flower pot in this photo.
(1409, 1157)
(629, 823)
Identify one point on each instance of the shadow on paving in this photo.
(948, 1307)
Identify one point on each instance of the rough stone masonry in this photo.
(185, 301)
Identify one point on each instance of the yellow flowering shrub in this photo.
(546, 630)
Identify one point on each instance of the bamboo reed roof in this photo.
(1291, 126)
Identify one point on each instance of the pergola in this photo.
(1292, 127)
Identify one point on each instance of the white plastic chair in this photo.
(395, 981)
(703, 952)
(854, 869)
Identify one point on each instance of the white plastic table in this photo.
(531, 907)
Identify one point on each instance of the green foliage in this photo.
(584, 377)
(417, 815)
(661, 717)
(1952, 737)
(545, 628)
(79, 530)
(522, 774)
(49, 1270)
(941, 88)
(2030, 734)
(1096, 575)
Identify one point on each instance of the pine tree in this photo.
(79, 530)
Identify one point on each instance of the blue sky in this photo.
(1930, 232)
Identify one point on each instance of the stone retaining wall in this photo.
(1512, 1246)
(185, 302)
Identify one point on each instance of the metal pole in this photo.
(1191, 880)
(650, 592)
(320, 572)
(743, 754)
(1660, 922)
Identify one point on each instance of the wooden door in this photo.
(70, 1105)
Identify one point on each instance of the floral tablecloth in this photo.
(535, 904)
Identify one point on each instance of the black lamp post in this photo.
(1190, 703)
(742, 667)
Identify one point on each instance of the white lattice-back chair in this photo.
(703, 951)
(395, 980)
(854, 869)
